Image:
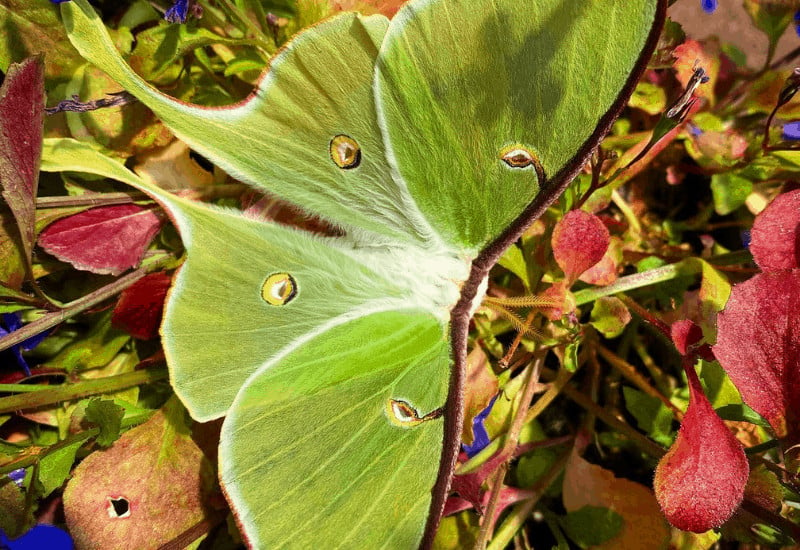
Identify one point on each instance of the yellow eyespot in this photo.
(519, 157)
(345, 152)
(279, 289)
(403, 414)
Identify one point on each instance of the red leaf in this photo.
(604, 272)
(700, 482)
(141, 305)
(685, 335)
(21, 123)
(775, 237)
(579, 241)
(108, 239)
(758, 345)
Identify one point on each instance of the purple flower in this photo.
(58, 1)
(38, 537)
(745, 235)
(178, 12)
(12, 322)
(797, 22)
(709, 6)
(17, 476)
(791, 130)
(480, 438)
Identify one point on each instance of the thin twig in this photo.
(71, 309)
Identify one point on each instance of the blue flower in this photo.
(797, 22)
(17, 476)
(12, 322)
(178, 12)
(745, 235)
(791, 130)
(38, 537)
(709, 6)
(58, 1)
(480, 438)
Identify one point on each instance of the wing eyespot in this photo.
(345, 152)
(404, 414)
(279, 289)
(520, 157)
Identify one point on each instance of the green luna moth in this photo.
(431, 141)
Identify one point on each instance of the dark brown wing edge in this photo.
(459, 324)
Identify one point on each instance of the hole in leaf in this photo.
(118, 507)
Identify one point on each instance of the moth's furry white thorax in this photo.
(428, 279)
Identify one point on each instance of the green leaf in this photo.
(108, 417)
(31, 27)
(54, 467)
(591, 525)
(610, 316)
(648, 97)
(97, 349)
(457, 531)
(729, 191)
(651, 415)
(741, 413)
(162, 46)
(717, 386)
(771, 18)
(514, 261)
(15, 517)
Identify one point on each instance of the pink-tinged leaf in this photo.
(775, 237)
(604, 272)
(700, 482)
(693, 54)
(21, 124)
(368, 7)
(758, 345)
(108, 239)
(507, 497)
(150, 486)
(141, 305)
(579, 241)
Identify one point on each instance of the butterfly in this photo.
(430, 141)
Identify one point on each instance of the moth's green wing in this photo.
(218, 328)
(461, 81)
(310, 454)
(319, 86)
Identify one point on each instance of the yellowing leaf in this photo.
(586, 484)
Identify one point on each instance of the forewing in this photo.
(311, 455)
(281, 138)
(460, 83)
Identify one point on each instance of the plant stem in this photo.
(647, 445)
(99, 199)
(79, 390)
(522, 511)
(71, 309)
(509, 444)
(632, 375)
